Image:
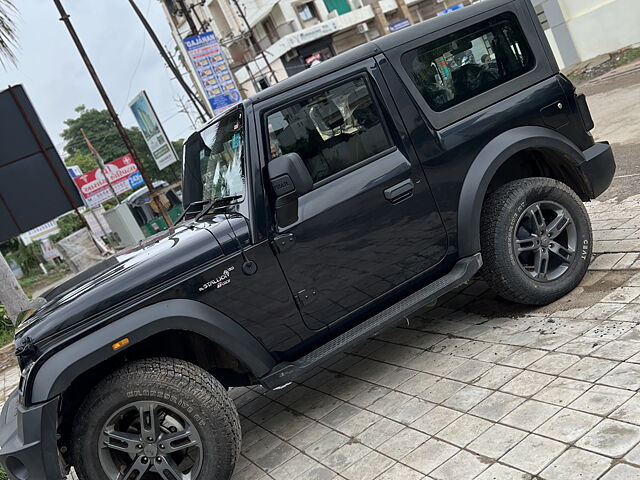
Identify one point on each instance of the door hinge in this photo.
(305, 297)
(282, 243)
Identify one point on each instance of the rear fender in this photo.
(487, 163)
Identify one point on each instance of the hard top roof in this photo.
(379, 45)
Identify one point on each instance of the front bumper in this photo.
(28, 446)
(598, 168)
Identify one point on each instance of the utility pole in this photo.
(187, 16)
(100, 164)
(169, 61)
(64, 17)
(252, 38)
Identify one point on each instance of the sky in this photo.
(57, 81)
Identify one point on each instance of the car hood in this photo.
(123, 279)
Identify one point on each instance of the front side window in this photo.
(331, 131)
(214, 161)
(469, 62)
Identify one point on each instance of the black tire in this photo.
(505, 214)
(179, 385)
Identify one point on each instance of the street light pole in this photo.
(64, 17)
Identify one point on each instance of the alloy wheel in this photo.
(545, 241)
(149, 440)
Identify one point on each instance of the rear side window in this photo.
(332, 130)
(469, 62)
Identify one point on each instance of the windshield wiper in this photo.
(215, 202)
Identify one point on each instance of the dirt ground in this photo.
(614, 100)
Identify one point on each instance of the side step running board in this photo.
(461, 273)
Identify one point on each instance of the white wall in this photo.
(601, 26)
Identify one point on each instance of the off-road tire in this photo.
(187, 387)
(500, 214)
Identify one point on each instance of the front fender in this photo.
(52, 376)
(487, 163)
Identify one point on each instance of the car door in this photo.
(370, 223)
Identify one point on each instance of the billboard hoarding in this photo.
(216, 78)
(152, 131)
(122, 173)
(34, 184)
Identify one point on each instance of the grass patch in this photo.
(3, 474)
(626, 57)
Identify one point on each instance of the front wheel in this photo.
(156, 419)
(536, 240)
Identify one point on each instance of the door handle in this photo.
(400, 191)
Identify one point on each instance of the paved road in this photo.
(614, 100)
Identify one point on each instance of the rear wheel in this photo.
(157, 419)
(536, 240)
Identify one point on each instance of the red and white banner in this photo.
(122, 173)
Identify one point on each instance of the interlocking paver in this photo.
(554, 363)
(611, 438)
(577, 464)
(527, 383)
(403, 443)
(496, 406)
(435, 420)
(589, 369)
(496, 441)
(530, 415)
(622, 472)
(463, 430)
(568, 425)
(401, 472)
(502, 472)
(601, 400)
(533, 453)
(562, 391)
(462, 466)
(629, 411)
(625, 375)
(430, 455)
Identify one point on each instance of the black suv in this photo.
(320, 211)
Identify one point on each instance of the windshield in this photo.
(214, 160)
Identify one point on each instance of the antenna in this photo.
(249, 267)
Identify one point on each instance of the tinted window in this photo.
(331, 131)
(469, 62)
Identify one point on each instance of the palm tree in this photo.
(7, 32)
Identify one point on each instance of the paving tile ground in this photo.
(469, 389)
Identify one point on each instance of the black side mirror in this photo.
(290, 179)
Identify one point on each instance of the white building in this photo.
(580, 30)
(293, 34)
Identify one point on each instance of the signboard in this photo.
(451, 9)
(153, 133)
(34, 182)
(399, 25)
(209, 61)
(39, 233)
(122, 173)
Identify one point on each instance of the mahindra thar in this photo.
(317, 213)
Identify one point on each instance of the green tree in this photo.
(7, 32)
(101, 131)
